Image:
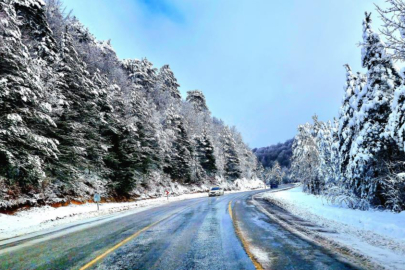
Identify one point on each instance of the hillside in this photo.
(76, 119)
(281, 152)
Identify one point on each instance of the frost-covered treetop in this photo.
(373, 46)
(197, 98)
(167, 82)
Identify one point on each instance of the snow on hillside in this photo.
(246, 184)
(76, 119)
(379, 235)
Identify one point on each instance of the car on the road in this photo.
(216, 191)
(273, 185)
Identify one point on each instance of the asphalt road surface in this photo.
(226, 232)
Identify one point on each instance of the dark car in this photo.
(273, 185)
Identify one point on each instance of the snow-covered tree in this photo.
(326, 140)
(346, 117)
(232, 161)
(179, 162)
(280, 152)
(141, 73)
(135, 150)
(166, 82)
(56, 18)
(372, 145)
(336, 175)
(205, 153)
(393, 29)
(315, 160)
(306, 160)
(166, 89)
(74, 114)
(25, 122)
(35, 29)
(197, 98)
(248, 161)
(276, 174)
(79, 122)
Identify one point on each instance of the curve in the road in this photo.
(242, 239)
(205, 233)
(200, 238)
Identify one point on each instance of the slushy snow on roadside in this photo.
(379, 235)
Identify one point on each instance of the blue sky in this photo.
(265, 66)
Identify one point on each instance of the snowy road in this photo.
(193, 234)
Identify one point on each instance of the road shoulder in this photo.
(372, 250)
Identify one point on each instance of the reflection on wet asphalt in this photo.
(196, 234)
(201, 237)
(280, 248)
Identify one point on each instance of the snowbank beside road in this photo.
(39, 218)
(379, 235)
(385, 223)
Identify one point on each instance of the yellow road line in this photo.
(100, 257)
(91, 263)
(230, 209)
(244, 242)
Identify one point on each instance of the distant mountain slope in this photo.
(281, 152)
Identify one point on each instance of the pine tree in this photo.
(167, 82)
(335, 155)
(371, 145)
(122, 160)
(166, 90)
(205, 153)
(178, 163)
(197, 98)
(145, 131)
(232, 161)
(141, 73)
(346, 118)
(35, 29)
(247, 160)
(396, 122)
(79, 121)
(24, 120)
(135, 150)
(74, 118)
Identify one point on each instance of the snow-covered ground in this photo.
(46, 217)
(378, 235)
(39, 218)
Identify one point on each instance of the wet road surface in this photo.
(279, 248)
(191, 234)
